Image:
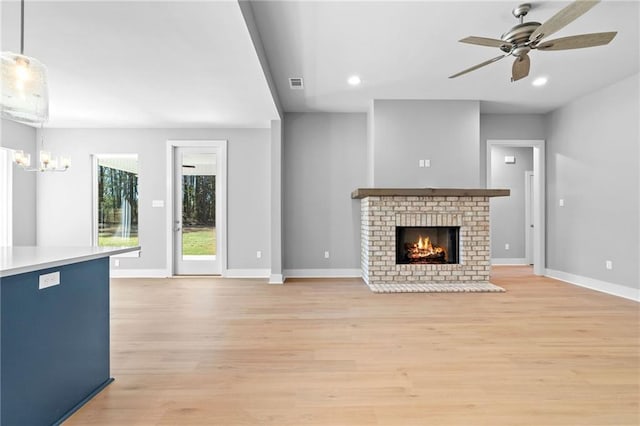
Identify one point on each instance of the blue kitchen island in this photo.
(54, 331)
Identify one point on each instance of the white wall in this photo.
(64, 199)
(324, 161)
(445, 132)
(592, 164)
(19, 136)
(508, 213)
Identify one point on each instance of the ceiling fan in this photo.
(527, 36)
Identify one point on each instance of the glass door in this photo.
(196, 203)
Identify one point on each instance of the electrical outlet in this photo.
(608, 264)
(506, 246)
(49, 280)
(427, 163)
(561, 202)
(116, 262)
(258, 254)
(420, 163)
(326, 254)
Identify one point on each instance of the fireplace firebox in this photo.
(427, 244)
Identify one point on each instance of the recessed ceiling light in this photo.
(540, 81)
(354, 80)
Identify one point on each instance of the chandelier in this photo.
(46, 162)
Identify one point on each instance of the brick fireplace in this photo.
(384, 211)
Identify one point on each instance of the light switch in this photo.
(509, 159)
(427, 163)
(420, 163)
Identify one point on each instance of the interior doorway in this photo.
(197, 195)
(538, 196)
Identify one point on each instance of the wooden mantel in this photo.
(429, 192)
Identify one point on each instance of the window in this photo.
(6, 200)
(116, 200)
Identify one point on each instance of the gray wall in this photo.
(508, 126)
(445, 132)
(324, 161)
(592, 163)
(64, 199)
(508, 213)
(19, 136)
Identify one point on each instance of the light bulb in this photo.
(18, 156)
(22, 69)
(45, 158)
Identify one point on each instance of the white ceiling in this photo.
(406, 50)
(144, 64)
(192, 64)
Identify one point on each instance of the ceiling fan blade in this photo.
(563, 18)
(484, 41)
(520, 68)
(475, 67)
(578, 41)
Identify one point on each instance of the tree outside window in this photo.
(117, 200)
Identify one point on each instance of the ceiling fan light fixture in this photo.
(540, 81)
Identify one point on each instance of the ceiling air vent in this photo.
(296, 83)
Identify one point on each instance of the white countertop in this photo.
(21, 259)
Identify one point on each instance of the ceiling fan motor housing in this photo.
(520, 33)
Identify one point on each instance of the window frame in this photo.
(6, 197)
(95, 226)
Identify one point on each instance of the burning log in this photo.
(425, 252)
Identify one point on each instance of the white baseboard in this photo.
(247, 273)
(139, 273)
(322, 273)
(509, 261)
(276, 279)
(593, 284)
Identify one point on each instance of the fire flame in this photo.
(424, 249)
(426, 245)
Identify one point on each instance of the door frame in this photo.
(528, 188)
(539, 193)
(221, 208)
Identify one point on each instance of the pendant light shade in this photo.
(25, 95)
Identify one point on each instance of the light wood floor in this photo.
(329, 352)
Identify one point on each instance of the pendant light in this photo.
(25, 97)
